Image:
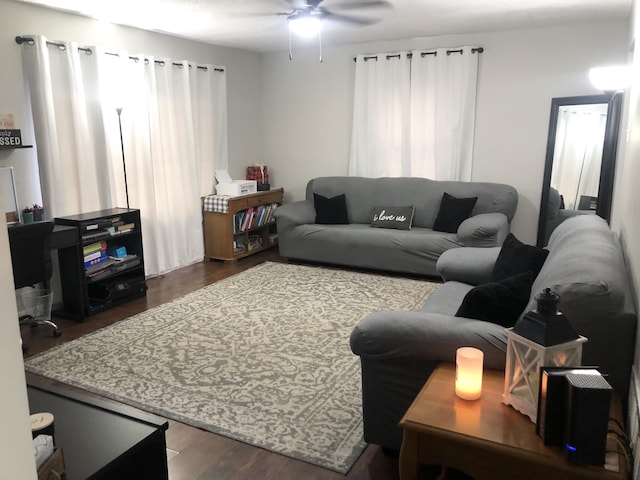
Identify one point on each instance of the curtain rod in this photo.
(30, 41)
(423, 54)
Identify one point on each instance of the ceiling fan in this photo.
(306, 16)
(310, 13)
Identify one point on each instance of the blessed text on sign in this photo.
(10, 138)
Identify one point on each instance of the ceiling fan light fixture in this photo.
(305, 25)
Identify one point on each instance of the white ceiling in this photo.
(254, 25)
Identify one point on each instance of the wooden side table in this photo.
(487, 439)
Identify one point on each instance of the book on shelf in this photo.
(124, 228)
(253, 217)
(95, 225)
(96, 237)
(92, 256)
(125, 258)
(247, 219)
(98, 267)
(254, 241)
(94, 247)
(238, 221)
(102, 256)
(239, 245)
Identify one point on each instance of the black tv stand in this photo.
(87, 290)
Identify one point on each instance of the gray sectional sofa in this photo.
(399, 349)
(413, 251)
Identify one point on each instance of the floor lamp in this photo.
(124, 164)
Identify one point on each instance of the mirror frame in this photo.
(609, 148)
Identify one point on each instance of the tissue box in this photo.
(237, 188)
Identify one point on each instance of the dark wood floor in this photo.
(196, 454)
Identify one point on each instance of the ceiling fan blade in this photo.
(364, 4)
(349, 18)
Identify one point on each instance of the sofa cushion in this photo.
(331, 211)
(517, 257)
(399, 218)
(453, 211)
(498, 302)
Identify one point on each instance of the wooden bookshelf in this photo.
(228, 238)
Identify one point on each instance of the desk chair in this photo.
(31, 262)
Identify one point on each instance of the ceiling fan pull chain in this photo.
(290, 54)
(320, 43)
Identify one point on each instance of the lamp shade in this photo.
(469, 362)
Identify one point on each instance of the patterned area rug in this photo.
(262, 357)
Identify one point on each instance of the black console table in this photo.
(101, 440)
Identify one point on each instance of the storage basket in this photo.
(35, 302)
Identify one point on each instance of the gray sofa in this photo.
(399, 349)
(414, 251)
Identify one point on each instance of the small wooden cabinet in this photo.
(246, 228)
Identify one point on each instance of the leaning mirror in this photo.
(580, 159)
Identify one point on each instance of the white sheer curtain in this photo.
(443, 112)
(380, 139)
(419, 123)
(174, 134)
(578, 154)
(70, 136)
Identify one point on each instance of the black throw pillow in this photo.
(498, 302)
(331, 211)
(453, 211)
(517, 257)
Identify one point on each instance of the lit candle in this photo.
(469, 373)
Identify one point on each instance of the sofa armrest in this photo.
(422, 337)
(296, 213)
(398, 352)
(471, 265)
(484, 230)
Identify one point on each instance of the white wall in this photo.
(16, 448)
(307, 105)
(626, 198)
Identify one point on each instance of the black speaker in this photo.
(552, 402)
(588, 400)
